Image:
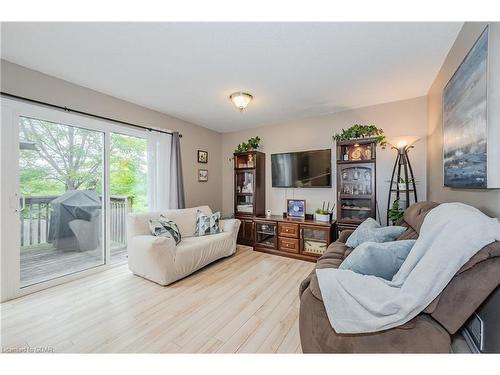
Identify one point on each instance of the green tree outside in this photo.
(55, 158)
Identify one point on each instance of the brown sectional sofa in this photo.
(430, 331)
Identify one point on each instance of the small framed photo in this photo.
(296, 208)
(202, 175)
(202, 156)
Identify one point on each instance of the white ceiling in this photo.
(188, 70)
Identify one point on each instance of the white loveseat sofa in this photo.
(159, 259)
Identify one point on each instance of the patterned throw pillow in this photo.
(157, 229)
(370, 230)
(171, 228)
(207, 224)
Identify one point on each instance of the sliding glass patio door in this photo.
(68, 184)
(61, 183)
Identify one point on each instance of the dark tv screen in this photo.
(306, 169)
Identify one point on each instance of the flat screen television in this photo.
(305, 169)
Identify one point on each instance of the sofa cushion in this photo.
(185, 218)
(420, 335)
(336, 250)
(378, 259)
(194, 253)
(207, 224)
(371, 231)
(415, 214)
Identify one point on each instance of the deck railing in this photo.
(35, 219)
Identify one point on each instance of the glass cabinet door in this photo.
(355, 209)
(314, 240)
(245, 192)
(244, 161)
(356, 180)
(356, 190)
(357, 152)
(265, 234)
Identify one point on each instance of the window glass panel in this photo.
(61, 183)
(128, 188)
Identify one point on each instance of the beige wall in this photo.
(20, 81)
(407, 117)
(486, 200)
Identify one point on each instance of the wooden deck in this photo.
(43, 262)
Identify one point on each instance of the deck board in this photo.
(44, 262)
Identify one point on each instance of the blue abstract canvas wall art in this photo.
(465, 120)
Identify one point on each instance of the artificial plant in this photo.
(251, 144)
(395, 212)
(325, 210)
(362, 131)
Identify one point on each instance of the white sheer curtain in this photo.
(159, 155)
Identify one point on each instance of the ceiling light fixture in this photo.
(240, 100)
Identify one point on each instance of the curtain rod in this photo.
(66, 109)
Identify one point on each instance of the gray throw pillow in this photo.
(370, 230)
(207, 224)
(378, 259)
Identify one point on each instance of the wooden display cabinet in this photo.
(356, 182)
(249, 184)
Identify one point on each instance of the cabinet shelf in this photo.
(314, 239)
(357, 208)
(356, 196)
(243, 169)
(266, 233)
(355, 161)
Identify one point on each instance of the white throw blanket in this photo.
(450, 235)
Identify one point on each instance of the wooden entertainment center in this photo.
(305, 239)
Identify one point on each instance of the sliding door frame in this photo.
(11, 111)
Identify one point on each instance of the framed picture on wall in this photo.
(296, 208)
(465, 117)
(202, 175)
(202, 156)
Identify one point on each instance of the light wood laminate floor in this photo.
(246, 303)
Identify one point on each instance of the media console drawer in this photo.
(290, 245)
(288, 230)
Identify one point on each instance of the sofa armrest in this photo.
(153, 244)
(232, 226)
(344, 235)
(152, 257)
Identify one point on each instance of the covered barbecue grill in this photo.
(75, 221)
